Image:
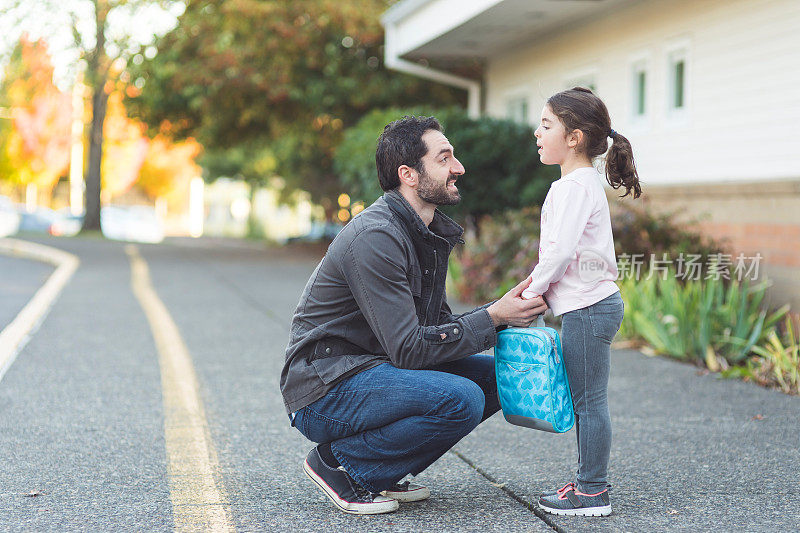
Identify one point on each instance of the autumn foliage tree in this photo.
(34, 149)
(158, 166)
(280, 77)
(103, 37)
(35, 140)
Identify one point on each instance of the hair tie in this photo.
(612, 134)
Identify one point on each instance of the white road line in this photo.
(16, 335)
(199, 501)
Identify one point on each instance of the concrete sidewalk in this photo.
(690, 451)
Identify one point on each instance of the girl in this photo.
(575, 274)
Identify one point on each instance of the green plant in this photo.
(703, 321)
(777, 362)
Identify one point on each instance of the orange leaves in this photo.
(158, 166)
(36, 149)
(124, 148)
(168, 167)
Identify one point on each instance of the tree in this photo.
(34, 148)
(100, 51)
(284, 77)
(168, 167)
(502, 168)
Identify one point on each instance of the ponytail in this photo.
(620, 167)
(580, 109)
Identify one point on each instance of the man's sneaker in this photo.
(568, 500)
(406, 492)
(343, 490)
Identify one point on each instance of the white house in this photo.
(708, 92)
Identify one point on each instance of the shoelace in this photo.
(566, 488)
(401, 486)
(361, 492)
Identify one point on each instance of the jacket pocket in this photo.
(320, 428)
(415, 283)
(332, 368)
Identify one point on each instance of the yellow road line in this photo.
(17, 333)
(198, 496)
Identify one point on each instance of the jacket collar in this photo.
(441, 225)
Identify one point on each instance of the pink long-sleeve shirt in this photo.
(577, 264)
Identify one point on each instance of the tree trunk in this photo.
(91, 220)
(97, 74)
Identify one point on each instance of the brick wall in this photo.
(750, 218)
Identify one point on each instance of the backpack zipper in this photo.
(553, 342)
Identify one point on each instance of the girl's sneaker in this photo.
(568, 500)
(569, 485)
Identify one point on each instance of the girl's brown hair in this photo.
(580, 109)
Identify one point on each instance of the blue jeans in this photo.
(385, 423)
(586, 336)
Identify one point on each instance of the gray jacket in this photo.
(378, 296)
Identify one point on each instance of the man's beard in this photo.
(435, 193)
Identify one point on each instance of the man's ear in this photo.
(407, 175)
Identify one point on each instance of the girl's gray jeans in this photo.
(586, 336)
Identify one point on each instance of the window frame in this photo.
(676, 52)
(641, 62)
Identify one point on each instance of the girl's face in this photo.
(552, 140)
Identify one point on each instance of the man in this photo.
(378, 370)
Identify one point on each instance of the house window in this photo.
(677, 80)
(517, 110)
(639, 90)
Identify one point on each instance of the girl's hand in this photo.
(513, 310)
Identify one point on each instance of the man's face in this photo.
(440, 170)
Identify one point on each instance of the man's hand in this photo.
(513, 310)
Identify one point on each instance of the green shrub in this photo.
(640, 232)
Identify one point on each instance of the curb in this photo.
(14, 337)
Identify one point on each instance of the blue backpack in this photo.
(532, 379)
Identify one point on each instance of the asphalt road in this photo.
(19, 281)
(82, 444)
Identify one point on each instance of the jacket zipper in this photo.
(433, 282)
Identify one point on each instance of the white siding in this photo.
(742, 119)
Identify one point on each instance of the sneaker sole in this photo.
(349, 507)
(422, 493)
(605, 510)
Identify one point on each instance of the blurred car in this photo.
(320, 231)
(37, 221)
(136, 223)
(66, 224)
(9, 218)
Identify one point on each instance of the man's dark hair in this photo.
(401, 144)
